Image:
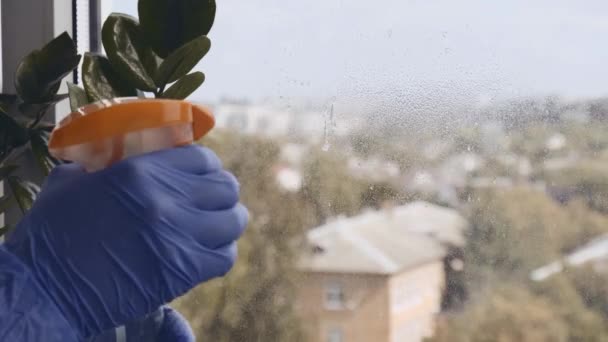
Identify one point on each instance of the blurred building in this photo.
(252, 119)
(378, 276)
(288, 178)
(446, 180)
(373, 168)
(269, 120)
(556, 142)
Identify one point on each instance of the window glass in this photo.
(334, 296)
(445, 162)
(335, 335)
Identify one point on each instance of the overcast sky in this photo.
(475, 49)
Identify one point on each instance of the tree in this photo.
(598, 109)
(551, 311)
(517, 230)
(512, 232)
(586, 138)
(508, 314)
(329, 187)
(530, 141)
(455, 293)
(592, 286)
(584, 225)
(588, 179)
(376, 195)
(583, 324)
(255, 301)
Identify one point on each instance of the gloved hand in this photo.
(164, 325)
(112, 246)
(175, 328)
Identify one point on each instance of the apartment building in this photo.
(378, 276)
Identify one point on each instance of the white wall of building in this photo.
(253, 119)
(270, 121)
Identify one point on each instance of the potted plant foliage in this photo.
(149, 57)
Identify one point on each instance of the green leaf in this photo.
(35, 110)
(169, 24)
(78, 97)
(101, 81)
(123, 41)
(6, 170)
(24, 192)
(12, 134)
(5, 203)
(40, 150)
(182, 60)
(4, 230)
(7, 102)
(39, 74)
(184, 86)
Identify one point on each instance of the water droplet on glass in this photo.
(330, 125)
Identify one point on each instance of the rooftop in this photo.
(596, 249)
(384, 242)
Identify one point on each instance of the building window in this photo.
(335, 335)
(334, 296)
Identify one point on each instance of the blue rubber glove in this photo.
(164, 325)
(112, 246)
(26, 312)
(175, 328)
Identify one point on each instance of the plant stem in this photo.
(15, 152)
(39, 116)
